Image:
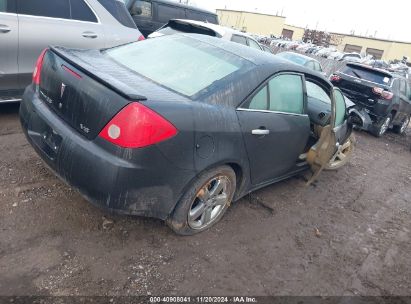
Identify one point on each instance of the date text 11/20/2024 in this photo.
(203, 300)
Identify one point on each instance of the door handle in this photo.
(4, 28)
(260, 132)
(90, 35)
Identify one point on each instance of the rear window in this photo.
(369, 75)
(118, 10)
(81, 11)
(182, 64)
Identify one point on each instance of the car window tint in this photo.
(239, 39)
(174, 62)
(167, 12)
(45, 8)
(254, 44)
(286, 94)
(368, 74)
(317, 92)
(142, 8)
(340, 108)
(3, 6)
(81, 11)
(193, 15)
(118, 10)
(260, 100)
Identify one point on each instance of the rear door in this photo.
(8, 49)
(275, 127)
(69, 23)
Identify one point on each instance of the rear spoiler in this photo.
(128, 95)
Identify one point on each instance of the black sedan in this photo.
(179, 127)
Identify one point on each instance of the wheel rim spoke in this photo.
(207, 216)
(217, 188)
(221, 200)
(197, 211)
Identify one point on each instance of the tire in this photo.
(379, 128)
(403, 127)
(344, 156)
(192, 214)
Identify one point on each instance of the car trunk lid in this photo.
(86, 90)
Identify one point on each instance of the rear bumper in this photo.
(131, 181)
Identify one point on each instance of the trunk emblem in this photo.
(63, 88)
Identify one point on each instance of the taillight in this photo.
(37, 68)
(335, 78)
(141, 38)
(137, 126)
(384, 94)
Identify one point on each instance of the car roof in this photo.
(306, 58)
(221, 30)
(270, 62)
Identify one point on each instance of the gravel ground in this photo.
(348, 234)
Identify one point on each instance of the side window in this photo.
(318, 67)
(7, 6)
(287, 94)
(259, 101)
(340, 108)
(118, 10)
(239, 39)
(317, 92)
(167, 12)
(409, 91)
(142, 8)
(254, 44)
(81, 11)
(45, 8)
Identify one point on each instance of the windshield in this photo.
(177, 62)
(367, 74)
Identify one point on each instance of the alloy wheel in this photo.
(385, 126)
(404, 125)
(209, 203)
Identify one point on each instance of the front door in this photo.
(275, 127)
(8, 49)
(333, 136)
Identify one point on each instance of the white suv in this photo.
(28, 27)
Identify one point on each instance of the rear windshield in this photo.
(369, 75)
(118, 10)
(182, 64)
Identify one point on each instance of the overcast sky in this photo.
(390, 19)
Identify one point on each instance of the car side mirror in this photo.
(355, 118)
(136, 10)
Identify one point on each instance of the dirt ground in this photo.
(348, 234)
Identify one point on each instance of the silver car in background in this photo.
(29, 26)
